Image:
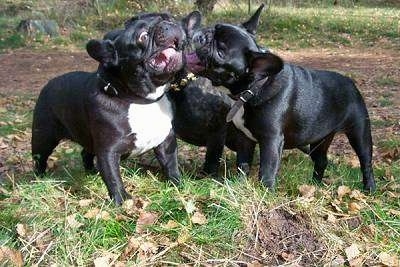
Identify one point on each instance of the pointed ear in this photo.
(191, 23)
(252, 23)
(264, 63)
(103, 51)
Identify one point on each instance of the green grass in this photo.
(327, 26)
(281, 26)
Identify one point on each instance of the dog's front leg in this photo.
(167, 155)
(271, 148)
(108, 163)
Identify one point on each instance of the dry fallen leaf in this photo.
(22, 229)
(356, 262)
(145, 219)
(331, 218)
(98, 214)
(171, 224)
(354, 207)
(132, 246)
(183, 236)
(352, 252)
(134, 206)
(10, 256)
(389, 260)
(102, 261)
(199, 218)
(356, 194)
(307, 191)
(342, 191)
(72, 222)
(85, 202)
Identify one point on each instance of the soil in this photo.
(282, 237)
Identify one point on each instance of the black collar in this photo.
(109, 89)
(251, 95)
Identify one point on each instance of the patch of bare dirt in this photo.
(282, 237)
(24, 71)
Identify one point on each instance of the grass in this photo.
(281, 26)
(43, 207)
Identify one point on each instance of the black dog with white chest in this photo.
(120, 109)
(285, 106)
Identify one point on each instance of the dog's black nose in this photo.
(199, 39)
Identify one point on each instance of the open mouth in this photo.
(167, 61)
(193, 63)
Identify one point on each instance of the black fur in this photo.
(293, 108)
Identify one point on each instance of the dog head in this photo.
(146, 54)
(228, 55)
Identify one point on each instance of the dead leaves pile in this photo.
(345, 207)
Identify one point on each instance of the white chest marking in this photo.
(238, 121)
(150, 123)
(159, 92)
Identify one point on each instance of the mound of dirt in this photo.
(282, 237)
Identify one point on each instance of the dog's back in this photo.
(60, 109)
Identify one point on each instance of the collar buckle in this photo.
(246, 95)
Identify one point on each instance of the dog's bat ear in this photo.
(103, 51)
(264, 63)
(252, 23)
(191, 23)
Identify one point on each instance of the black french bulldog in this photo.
(285, 106)
(199, 119)
(199, 114)
(120, 109)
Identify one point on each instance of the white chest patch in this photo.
(238, 121)
(159, 92)
(150, 123)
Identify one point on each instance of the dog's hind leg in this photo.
(245, 153)
(44, 140)
(360, 139)
(88, 161)
(318, 152)
(215, 147)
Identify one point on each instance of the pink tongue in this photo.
(168, 53)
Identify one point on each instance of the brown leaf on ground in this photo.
(356, 194)
(199, 218)
(342, 191)
(9, 256)
(98, 214)
(132, 246)
(307, 191)
(134, 206)
(85, 202)
(145, 219)
(106, 260)
(171, 224)
(331, 218)
(72, 222)
(22, 229)
(354, 207)
(352, 252)
(389, 260)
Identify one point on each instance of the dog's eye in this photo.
(143, 37)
